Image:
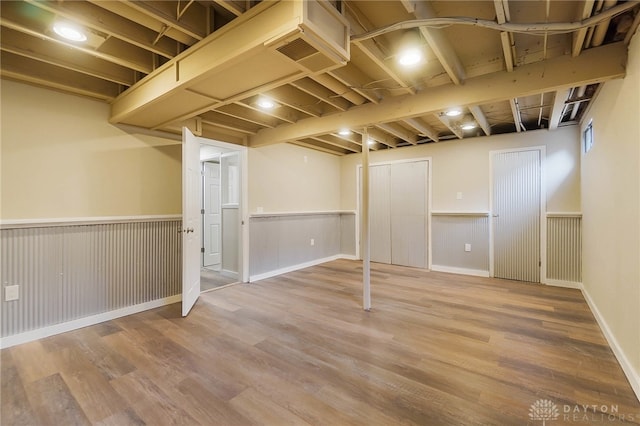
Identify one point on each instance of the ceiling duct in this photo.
(272, 44)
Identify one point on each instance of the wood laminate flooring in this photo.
(210, 280)
(436, 349)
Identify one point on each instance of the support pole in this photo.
(366, 252)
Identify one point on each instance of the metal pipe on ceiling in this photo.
(538, 28)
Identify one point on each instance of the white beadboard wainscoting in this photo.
(564, 249)
(281, 242)
(73, 273)
(451, 231)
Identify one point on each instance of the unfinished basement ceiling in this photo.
(513, 67)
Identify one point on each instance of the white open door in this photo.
(190, 220)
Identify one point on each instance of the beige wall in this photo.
(61, 158)
(288, 178)
(463, 166)
(611, 208)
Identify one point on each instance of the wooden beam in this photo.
(123, 9)
(104, 21)
(380, 136)
(339, 88)
(481, 119)
(130, 60)
(508, 45)
(160, 11)
(438, 42)
(558, 107)
(516, 114)
(423, 128)
(329, 140)
(451, 126)
(230, 6)
(320, 92)
(593, 66)
(372, 50)
(316, 147)
(578, 36)
(61, 56)
(356, 80)
(399, 131)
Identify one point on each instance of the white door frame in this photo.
(428, 212)
(543, 208)
(243, 207)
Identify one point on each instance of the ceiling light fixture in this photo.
(410, 49)
(69, 32)
(453, 112)
(469, 125)
(410, 57)
(265, 103)
(371, 142)
(344, 132)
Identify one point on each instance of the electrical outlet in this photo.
(11, 292)
(313, 242)
(467, 247)
(458, 195)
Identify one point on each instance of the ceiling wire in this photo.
(533, 28)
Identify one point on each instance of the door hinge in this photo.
(202, 250)
(201, 211)
(540, 263)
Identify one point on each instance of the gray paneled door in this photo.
(516, 198)
(399, 213)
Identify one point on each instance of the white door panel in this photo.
(212, 216)
(191, 221)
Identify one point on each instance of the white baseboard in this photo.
(462, 271)
(41, 333)
(292, 268)
(632, 375)
(562, 283)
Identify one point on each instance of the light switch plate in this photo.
(467, 247)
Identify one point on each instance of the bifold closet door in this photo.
(408, 205)
(516, 215)
(380, 213)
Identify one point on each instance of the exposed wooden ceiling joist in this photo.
(558, 107)
(594, 65)
(439, 44)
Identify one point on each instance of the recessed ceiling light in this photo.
(371, 142)
(453, 112)
(69, 32)
(344, 132)
(265, 103)
(410, 57)
(468, 125)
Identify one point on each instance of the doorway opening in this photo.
(221, 217)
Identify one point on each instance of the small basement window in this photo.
(587, 136)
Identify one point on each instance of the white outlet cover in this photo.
(11, 292)
(467, 247)
(313, 242)
(458, 195)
